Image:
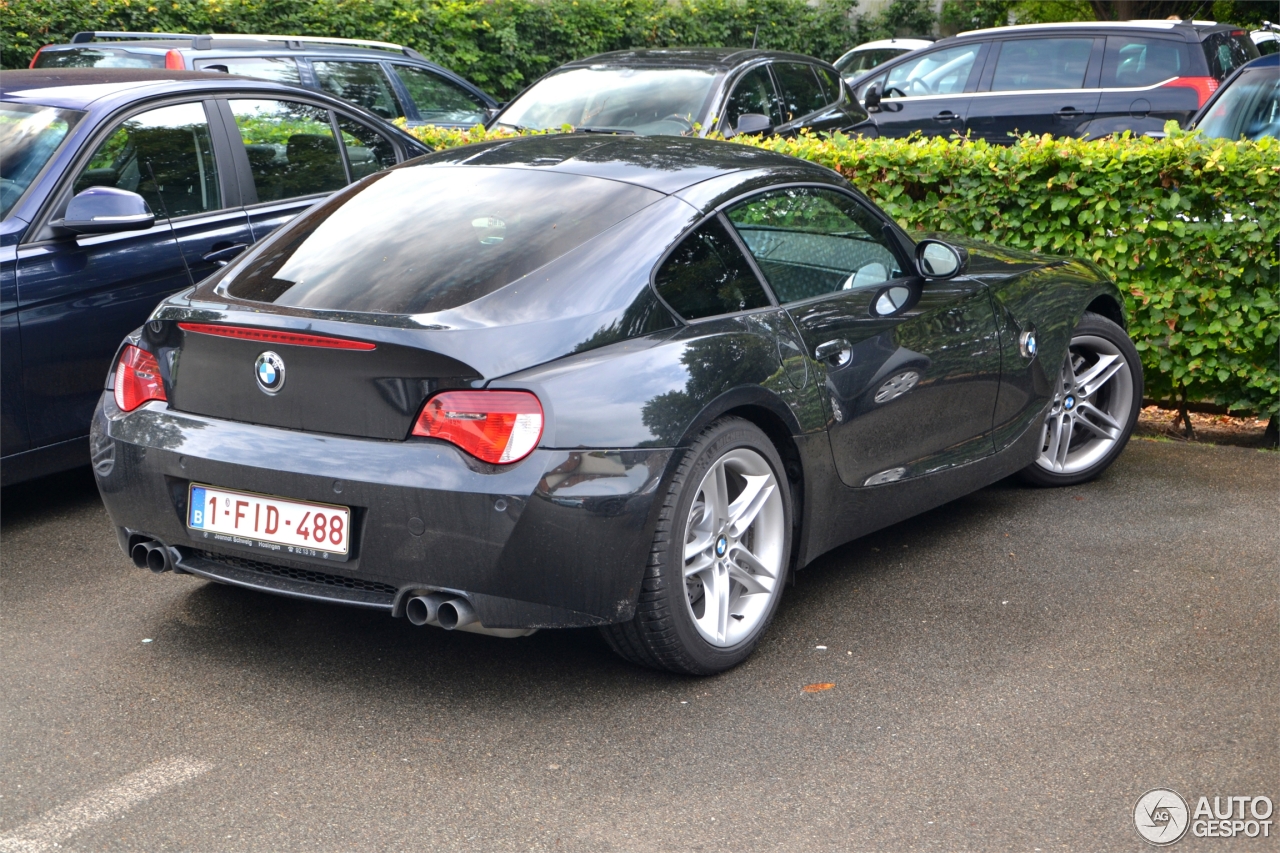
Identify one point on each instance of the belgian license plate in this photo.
(271, 523)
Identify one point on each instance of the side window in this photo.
(942, 72)
(752, 94)
(163, 155)
(438, 100)
(1227, 52)
(280, 69)
(830, 84)
(707, 275)
(810, 241)
(367, 150)
(801, 94)
(1042, 64)
(360, 83)
(1132, 61)
(291, 148)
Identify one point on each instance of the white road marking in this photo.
(46, 831)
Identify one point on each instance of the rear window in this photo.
(98, 57)
(277, 69)
(430, 238)
(1132, 62)
(1227, 51)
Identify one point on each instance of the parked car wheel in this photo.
(1095, 406)
(721, 551)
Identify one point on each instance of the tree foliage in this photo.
(501, 45)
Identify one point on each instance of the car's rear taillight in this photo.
(494, 426)
(173, 61)
(1204, 86)
(137, 379)
(37, 56)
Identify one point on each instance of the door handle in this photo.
(835, 353)
(945, 116)
(223, 256)
(1069, 112)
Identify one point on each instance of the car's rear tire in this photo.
(1098, 392)
(720, 557)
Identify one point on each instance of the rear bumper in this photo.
(559, 539)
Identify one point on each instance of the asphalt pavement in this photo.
(1010, 672)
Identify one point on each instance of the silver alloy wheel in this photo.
(1091, 405)
(733, 553)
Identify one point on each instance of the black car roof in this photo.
(665, 164)
(710, 58)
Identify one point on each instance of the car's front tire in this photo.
(1097, 395)
(720, 556)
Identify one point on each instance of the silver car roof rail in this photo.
(205, 42)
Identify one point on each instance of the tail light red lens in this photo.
(37, 56)
(137, 379)
(173, 61)
(1204, 86)
(498, 427)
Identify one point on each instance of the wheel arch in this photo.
(1108, 306)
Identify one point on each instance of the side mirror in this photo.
(936, 259)
(106, 210)
(871, 100)
(753, 123)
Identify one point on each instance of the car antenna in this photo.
(755, 36)
(164, 208)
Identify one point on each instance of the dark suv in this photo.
(388, 80)
(1081, 79)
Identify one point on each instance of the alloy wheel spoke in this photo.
(1097, 421)
(1054, 427)
(715, 608)
(743, 511)
(748, 571)
(1098, 375)
(701, 542)
(1064, 442)
(698, 564)
(717, 492)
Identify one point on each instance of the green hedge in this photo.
(501, 45)
(1187, 228)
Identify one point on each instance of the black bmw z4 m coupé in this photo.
(570, 381)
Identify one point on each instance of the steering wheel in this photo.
(919, 87)
(681, 119)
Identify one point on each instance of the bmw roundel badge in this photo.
(1027, 343)
(269, 368)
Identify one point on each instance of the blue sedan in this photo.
(119, 187)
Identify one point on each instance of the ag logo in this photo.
(269, 369)
(1161, 816)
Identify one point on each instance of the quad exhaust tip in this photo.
(152, 555)
(453, 613)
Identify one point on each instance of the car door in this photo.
(79, 296)
(807, 102)
(929, 93)
(1133, 67)
(911, 383)
(1037, 86)
(294, 153)
(752, 93)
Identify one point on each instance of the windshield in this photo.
(428, 238)
(647, 101)
(855, 62)
(98, 57)
(29, 136)
(1250, 107)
